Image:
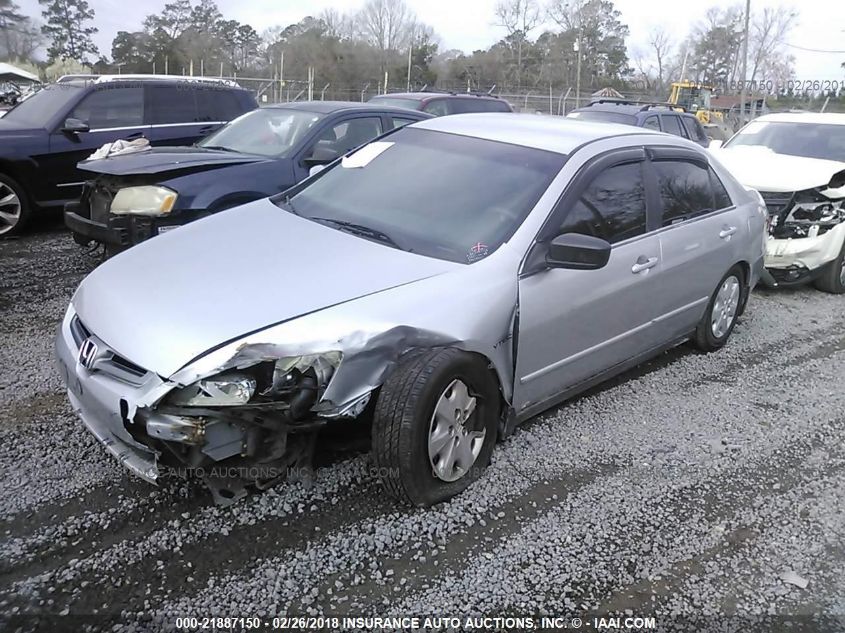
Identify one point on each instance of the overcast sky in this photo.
(468, 24)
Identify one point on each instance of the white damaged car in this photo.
(797, 163)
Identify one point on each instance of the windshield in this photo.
(266, 131)
(442, 195)
(811, 140)
(398, 102)
(42, 106)
(606, 117)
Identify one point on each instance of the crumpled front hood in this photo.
(762, 169)
(159, 160)
(167, 301)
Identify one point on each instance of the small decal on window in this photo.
(363, 156)
(477, 251)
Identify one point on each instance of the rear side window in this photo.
(398, 121)
(652, 123)
(694, 129)
(672, 125)
(218, 105)
(172, 104)
(612, 207)
(685, 190)
(721, 198)
(112, 107)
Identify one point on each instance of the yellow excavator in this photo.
(695, 98)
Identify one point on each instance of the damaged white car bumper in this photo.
(796, 260)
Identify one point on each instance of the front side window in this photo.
(685, 190)
(651, 123)
(349, 134)
(440, 195)
(265, 131)
(112, 106)
(612, 207)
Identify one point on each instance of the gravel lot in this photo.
(685, 488)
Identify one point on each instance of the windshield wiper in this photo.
(287, 203)
(218, 147)
(363, 231)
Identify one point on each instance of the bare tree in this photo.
(661, 46)
(519, 18)
(387, 25)
(768, 34)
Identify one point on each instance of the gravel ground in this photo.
(693, 486)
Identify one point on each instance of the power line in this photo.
(813, 50)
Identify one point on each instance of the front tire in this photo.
(719, 319)
(14, 207)
(833, 279)
(434, 427)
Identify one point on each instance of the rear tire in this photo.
(14, 207)
(719, 319)
(833, 279)
(432, 437)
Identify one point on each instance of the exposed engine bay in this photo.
(803, 213)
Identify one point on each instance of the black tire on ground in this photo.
(704, 338)
(832, 280)
(8, 185)
(402, 423)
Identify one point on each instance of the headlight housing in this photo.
(143, 200)
(294, 383)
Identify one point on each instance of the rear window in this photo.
(603, 116)
(218, 105)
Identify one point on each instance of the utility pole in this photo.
(744, 65)
(410, 50)
(578, 63)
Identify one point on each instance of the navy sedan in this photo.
(136, 196)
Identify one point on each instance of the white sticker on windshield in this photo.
(363, 156)
(754, 127)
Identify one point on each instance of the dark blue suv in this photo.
(131, 198)
(662, 117)
(44, 136)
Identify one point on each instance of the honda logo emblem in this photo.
(87, 353)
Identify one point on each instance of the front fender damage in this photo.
(231, 448)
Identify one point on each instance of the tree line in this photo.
(540, 48)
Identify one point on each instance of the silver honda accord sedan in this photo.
(440, 284)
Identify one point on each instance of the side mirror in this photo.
(315, 169)
(715, 144)
(75, 125)
(578, 252)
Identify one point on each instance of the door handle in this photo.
(644, 264)
(727, 231)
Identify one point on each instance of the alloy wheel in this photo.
(10, 209)
(453, 445)
(725, 307)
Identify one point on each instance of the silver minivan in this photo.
(442, 283)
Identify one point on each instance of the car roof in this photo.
(329, 107)
(833, 118)
(431, 95)
(632, 109)
(545, 132)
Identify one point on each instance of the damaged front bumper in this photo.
(798, 260)
(130, 411)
